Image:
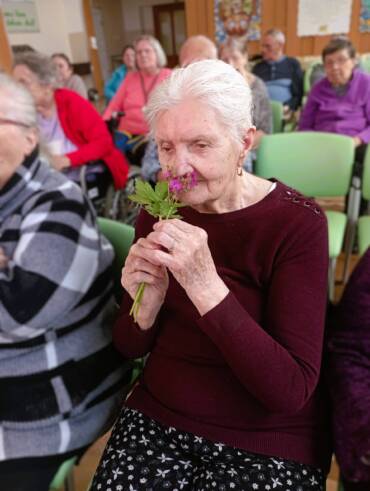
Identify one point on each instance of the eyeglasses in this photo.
(16, 123)
(338, 61)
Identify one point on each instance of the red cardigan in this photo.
(84, 127)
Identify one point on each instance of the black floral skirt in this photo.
(143, 455)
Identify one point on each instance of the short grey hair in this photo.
(17, 103)
(41, 65)
(276, 34)
(212, 82)
(156, 45)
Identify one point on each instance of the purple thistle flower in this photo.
(175, 185)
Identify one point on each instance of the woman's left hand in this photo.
(60, 162)
(187, 256)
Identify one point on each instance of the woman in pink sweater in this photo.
(133, 94)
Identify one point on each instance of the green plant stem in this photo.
(134, 312)
(136, 304)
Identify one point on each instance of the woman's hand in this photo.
(3, 259)
(139, 269)
(60, 162)
(189, 259)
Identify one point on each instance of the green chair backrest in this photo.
(365, 63)
(277, 116)
(120, 235)
(366, 175)
(307, 77)
(316, 164)
(65, 468)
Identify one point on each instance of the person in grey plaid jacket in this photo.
(60, 378)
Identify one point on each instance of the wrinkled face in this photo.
(190, 138)
(146, 58)
(16, 141)
(339, 67)
(128, 58)
(63, 69)
(234, 58)
(43, 95)
(271, 48)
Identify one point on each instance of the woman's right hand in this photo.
(138, 270)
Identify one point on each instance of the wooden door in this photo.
(170, 29)
(5, 51)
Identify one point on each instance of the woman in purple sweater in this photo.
(340, 102)
(232, 315)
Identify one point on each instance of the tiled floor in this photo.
(85, 470)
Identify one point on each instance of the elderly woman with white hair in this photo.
(60, 376)
(133, 94)
(232, 316)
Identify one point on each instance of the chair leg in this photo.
(331, 278)
(354, 201)
(69, 483)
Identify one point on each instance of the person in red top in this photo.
(70, 127)
(133, 94)
(232, 316)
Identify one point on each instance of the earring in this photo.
(239, 171)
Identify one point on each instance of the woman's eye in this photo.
(166, 149)
(201, 145)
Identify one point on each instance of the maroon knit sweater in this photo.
(246, 373)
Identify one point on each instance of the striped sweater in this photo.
(60, 378)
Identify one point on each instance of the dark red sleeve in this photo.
(279, 362)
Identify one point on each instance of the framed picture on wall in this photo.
(20, 15)
(237, 18)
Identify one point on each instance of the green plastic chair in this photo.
(120, 235)
(63, 479)
(307, 77)
(277, 116)
(316, 164)
(364, 221)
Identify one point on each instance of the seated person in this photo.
(195, 48)
(237, 56)
(60, 377)
(282, 74)
(117, 77)
(349, 376)
(133, 95)
(340, 102)
(232, 315)
(70, 127)
(66, 77)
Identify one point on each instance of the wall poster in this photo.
(20, 15)
(237, 18)
(320, 18)
(365, 16)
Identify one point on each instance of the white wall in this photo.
(62, 29)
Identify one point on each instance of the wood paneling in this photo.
(281, 14)
(5, 51)
(200, 17)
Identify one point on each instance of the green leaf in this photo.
(138, 199)
(161, 189)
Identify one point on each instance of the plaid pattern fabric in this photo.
(60, 378)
